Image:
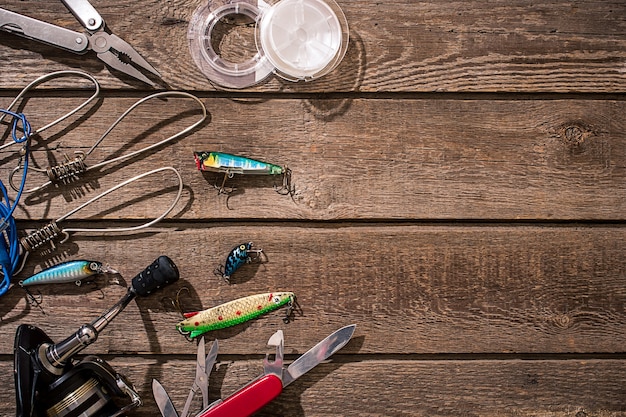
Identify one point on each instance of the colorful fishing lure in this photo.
(235, 259)
(234, 312)
(72, 271)
(234, 164)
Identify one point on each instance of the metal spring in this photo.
(42, 236)
(67, 171)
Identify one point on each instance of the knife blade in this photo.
(264, 389)
(318, 353)
(163, 400)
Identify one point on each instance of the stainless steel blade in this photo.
(318, 353)
(163, 400)
(208, 366)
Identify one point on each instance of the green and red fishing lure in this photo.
(234, 312)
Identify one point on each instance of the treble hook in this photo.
(292, 307)
(34, 301)
(52, 231)
(176, 302)
(286, 188)
(72, 168)
(48, 77)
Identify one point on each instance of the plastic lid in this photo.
(303, 39)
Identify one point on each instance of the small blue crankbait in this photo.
(236, 258)
(72, 271)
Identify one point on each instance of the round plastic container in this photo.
(296, 39)
(303, 39)
(213, 66)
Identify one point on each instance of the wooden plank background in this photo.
(459, 195)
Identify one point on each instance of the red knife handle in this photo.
(249, 399)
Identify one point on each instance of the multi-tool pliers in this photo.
(260, 391)
(111, 49)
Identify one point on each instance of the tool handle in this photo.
(247, 400)
(86, 14)
(160, 273)
(47, 33)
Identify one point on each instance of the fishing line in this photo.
(9, 243)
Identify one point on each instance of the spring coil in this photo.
(41, 236)
(68, 171)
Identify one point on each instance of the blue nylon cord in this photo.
(9, 241)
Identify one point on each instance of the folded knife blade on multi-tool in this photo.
(111, 49)
(260, 391)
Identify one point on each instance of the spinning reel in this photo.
(47, 381)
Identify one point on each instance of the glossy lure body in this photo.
(72, 271)
(234, 164)
(238, 256)
(233, 313)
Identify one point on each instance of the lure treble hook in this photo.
(72, 168)
(52, 231)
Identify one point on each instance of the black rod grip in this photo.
(160, 273)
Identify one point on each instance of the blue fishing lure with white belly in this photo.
(72, 271)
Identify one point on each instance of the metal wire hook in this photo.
(32, 300)
(176, 303)
(72, 168)
(48, 77)
(292, 307)
(52, 231)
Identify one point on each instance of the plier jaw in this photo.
(109, 48)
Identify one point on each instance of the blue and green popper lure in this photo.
(238, 256)
(234, 164)
(72, 271)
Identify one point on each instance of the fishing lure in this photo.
(72, 271)
(236, 258)
(234, 312)
(234, 164)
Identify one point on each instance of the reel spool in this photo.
(89, 389)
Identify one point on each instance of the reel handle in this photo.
(160, 273)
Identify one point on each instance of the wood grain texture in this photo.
(395, 46)
(409, 288)
(348, 386)
(415, 159)
(459, 195)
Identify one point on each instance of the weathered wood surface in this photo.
(416, 159)
(395, 46)
(450, 200)
(428, 387)
(410, 289)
